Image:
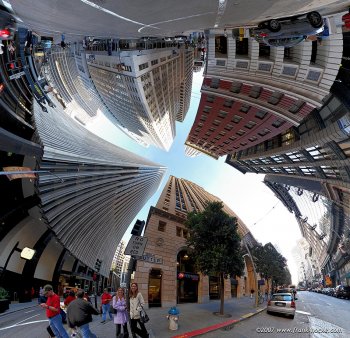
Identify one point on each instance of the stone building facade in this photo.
(165, 274)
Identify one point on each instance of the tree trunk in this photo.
(222, 293)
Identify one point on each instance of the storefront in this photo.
(155, 288)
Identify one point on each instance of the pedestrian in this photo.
(105, 299)
(121, 317)
(252, 293)
(53, 309)
(79, 314)
(42, 298)
(136, 304)
(266, 294)
(69, 298)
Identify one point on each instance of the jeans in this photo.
(105, 310)
(57, 327)
(85, 331)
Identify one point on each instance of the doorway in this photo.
(155, 288)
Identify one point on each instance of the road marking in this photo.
(89, 3)
(248, 315)
(35, 322)
(171, 20)
(29, 311)
(27, 319)
(303, 312)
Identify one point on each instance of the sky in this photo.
(246, 194)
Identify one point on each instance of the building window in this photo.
(178, 232)
(244, 108)
(236, 119)
(278, 123)
(228, 103)
(222, 114)
(154, 62)
(236, 87)
(275, 98)
(216, 123)
(203, 117)
(185, 233)
(161, 226)
(260, 114)
(255, 92)
(250, 125)
(210, 98)
(214, 83)
(296, 106)
(240, 132)
(252, 139)
(206, 109)
(264, 132)
(143, 66)
(228, 127)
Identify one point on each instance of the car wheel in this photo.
(274, 25)
(315, 19)
(292, 317)
(268, 312)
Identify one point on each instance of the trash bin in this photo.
(173, 317)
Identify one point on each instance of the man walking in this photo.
(106, 299)
(53, 308)
(79, 313)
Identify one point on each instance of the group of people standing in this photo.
(122, 313)
(80, 311)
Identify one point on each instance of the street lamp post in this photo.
(254, 271)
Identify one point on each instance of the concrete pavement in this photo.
(194, 319)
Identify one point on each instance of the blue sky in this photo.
(246, 195)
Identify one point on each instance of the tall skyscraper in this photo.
(146, 90)
(166, 274)
(252, 92)
(67, 72)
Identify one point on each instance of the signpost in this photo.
(17, 75)
(136, 246)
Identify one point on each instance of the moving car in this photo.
(281, 303)
(288, 32)
(8, 24)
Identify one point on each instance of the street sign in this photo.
(16, 76)
(136, 246)
(123, 285)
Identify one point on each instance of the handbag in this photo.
(143, 315)
(112, 309)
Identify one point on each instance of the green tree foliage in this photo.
(271, 264)
(215, 244)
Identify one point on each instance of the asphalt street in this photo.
(123, 18)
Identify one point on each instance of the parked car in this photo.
(342, 291)
(288, 32)
(282, 303)
(8, 24)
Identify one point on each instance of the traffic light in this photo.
(98, 265)
(138, 227)
(12, 65)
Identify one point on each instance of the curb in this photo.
(16, 310)
(227, 324)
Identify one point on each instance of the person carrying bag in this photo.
(136, 306)
(121, 316)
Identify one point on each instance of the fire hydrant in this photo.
(173, 317)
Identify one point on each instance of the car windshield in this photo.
(282, 298)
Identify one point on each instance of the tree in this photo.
(215, 244)
(271, 263)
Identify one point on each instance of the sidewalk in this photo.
(194, 319)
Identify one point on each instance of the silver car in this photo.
(288, 32)
(282, 303)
